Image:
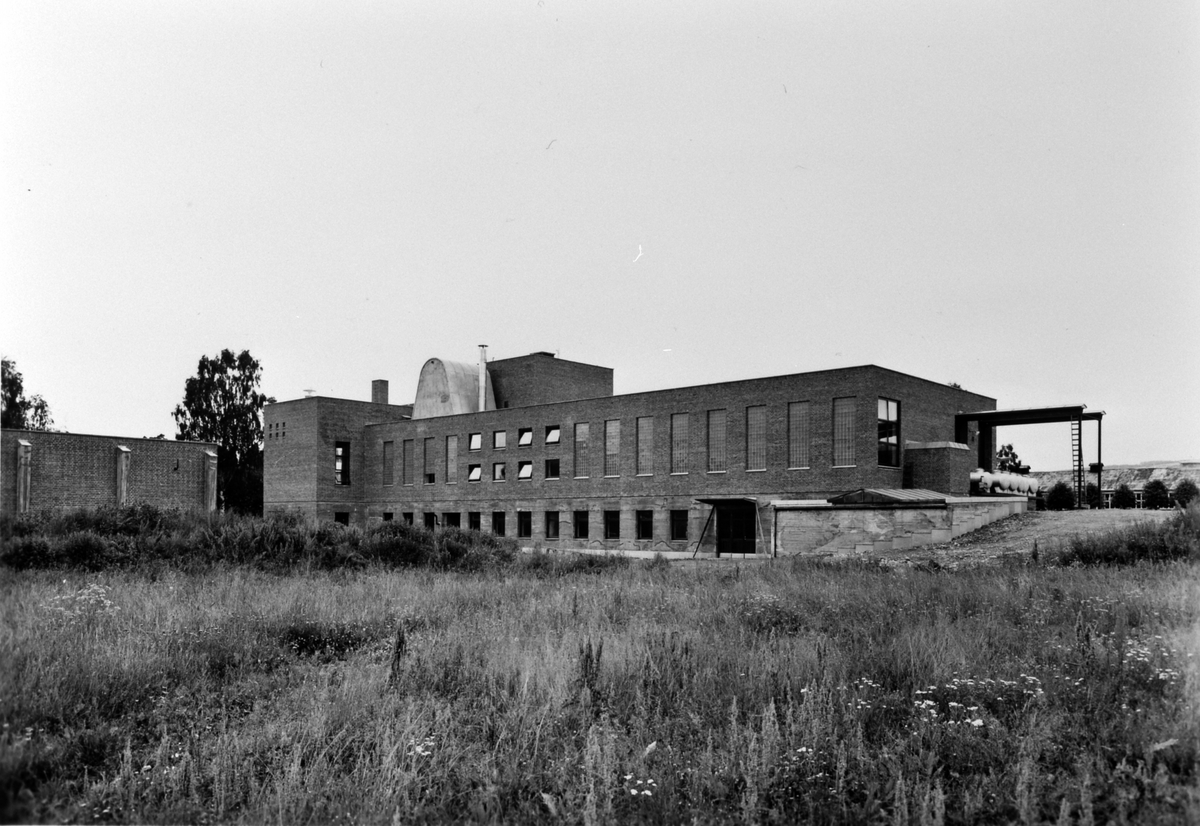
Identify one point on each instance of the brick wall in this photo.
(540, 378)
(941, 466)
(71, 470)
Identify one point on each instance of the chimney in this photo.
(482, 377)
(379, 391)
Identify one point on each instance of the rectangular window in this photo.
(889, 433)
(679, 525)
(581, 450)
(430, 521)
(474, 473)
(612, 447)
(474, 441)
(798, 438)
(451, 460)
(407, 517)
(580, 522)
(524, 470)
(553, 432)
(387, 516)
(452, 520)
(524, 524)
(498, 523)
(645, 524)
(843, 431)
(342, 517)
(389, 458)
(551, 468)
(525, 437)
(645, 445)
(679, 442)
(716, 441)
(341, 463)
(473, 521)
(552, 524)
(498, 471)
(430, 461)
(406, 462)
(499, 440)
(612, 524)
(756, 437)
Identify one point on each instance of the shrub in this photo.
(1155, 495)
(1123, 498)
(1185, 492)
(1175, 539)
(1060, 497)
(1091, 495)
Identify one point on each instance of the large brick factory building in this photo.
(539, 448)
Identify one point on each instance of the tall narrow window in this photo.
(679, 442)
(389, 459)
(451, 460)
(843, 431)
(474, 523)
(579, 522)
(612, 447)
(498, 523)
(524, 524)
(889, 433)
(644, 524)
(552, 524)
(612, 524)
(716, 441)
(581, 450)
(430, 461)
(341, 463)
(798, 438)
(679, 525)
(645, 445)
(756, 437)
(406, 462)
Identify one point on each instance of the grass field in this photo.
(644, 692)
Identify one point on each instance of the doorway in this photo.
(737, 524)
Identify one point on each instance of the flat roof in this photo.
(1031, 415)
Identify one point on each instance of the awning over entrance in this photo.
(725, 500)
(890, 496)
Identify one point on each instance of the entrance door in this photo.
(737, 524)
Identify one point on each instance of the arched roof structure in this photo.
(447, 388)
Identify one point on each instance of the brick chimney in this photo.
(379, 391)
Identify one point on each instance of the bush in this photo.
(1060, 497)
(1091, 495)
(1123, 498)
(1185, 492)
(1155, 495)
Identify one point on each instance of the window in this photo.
(645, 446)
(581, 450)
(612, 524)
(342, 517)
(756, 437)
(552, 434)
(889, 433)
(612, 447)
(499, 440)
(525, 437)
(798, 438)
(580, 522)
(843, 431)
(407, 517)
(474, 473)
(452, 520)
(474, 441)
(716, 441)
(406, 462)
(679, 442)
(473, 521)
(430, 521)
(552, 524)
(498, 523)
(498, 471)
(524, 524)
(387, 516)
(551, 468)
(451, 460)
(389, 457)
(524, 470)
(430, 461)
(341, 463)
(679, 525)
(645, 524)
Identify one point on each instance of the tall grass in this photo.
(1176, 538)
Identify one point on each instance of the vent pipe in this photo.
(482, 377)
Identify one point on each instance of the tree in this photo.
(1185, 492)
(1060, 497)
(19, 412)
(1007, 461)
(1155, 495)
(1091, 495)
(222, 404)
(1123, 498)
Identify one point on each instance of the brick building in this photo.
(43, 470)
(547, 454)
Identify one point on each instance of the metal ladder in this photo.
(1077, 462)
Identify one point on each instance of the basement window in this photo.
(679, 525)
(552, 524)
(473, 520)
(580, 522)
(612, 524)
(645, 524)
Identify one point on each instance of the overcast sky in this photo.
(1003, 195)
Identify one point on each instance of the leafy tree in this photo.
(1007, 461)
(1185, 491)
(1123, 498)
(19, 412)
(1091, 494)
(1155, 495)
(1060, 497)
(222, 404)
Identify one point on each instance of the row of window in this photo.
(715, 457)
(643, 523)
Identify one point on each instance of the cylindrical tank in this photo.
(447, 388)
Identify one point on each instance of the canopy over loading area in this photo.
(1075, 414)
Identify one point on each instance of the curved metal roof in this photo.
(447, 388)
